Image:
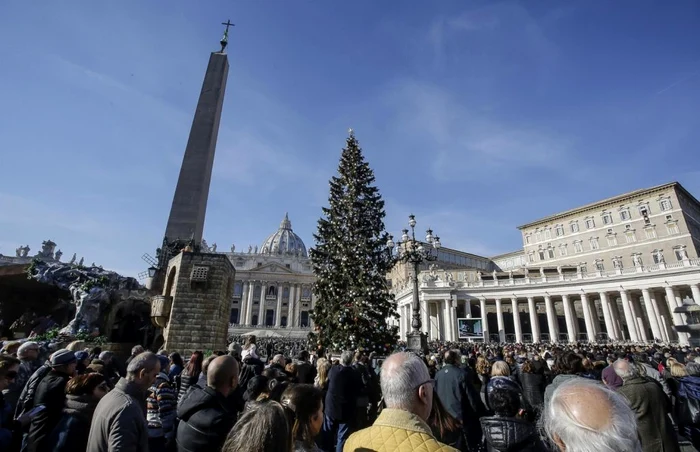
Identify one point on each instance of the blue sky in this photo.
(476, 116)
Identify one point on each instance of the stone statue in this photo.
(510, 274)
(527, 272)
(559, 269)
(542, 272)
(478, 276)
(495, 275)
(448, 277)
(233, 248)
(81, 261)
(47, 247)
(205, 246)
(255, 251)
(617, 263)
(72, 259)
(660, 256)
(23, 251)
(213, 248)
(59, 253)
(637, 260)
(18, 252)
(684, 253)
(250, 249)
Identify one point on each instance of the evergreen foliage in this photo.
(350, 260)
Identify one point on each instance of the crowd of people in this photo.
(275, 395)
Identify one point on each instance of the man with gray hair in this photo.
(119, 421)
(28, 354)
(651, 407)
(585, 416)
(344, 386)
(402, 425)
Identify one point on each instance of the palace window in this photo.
(617, 262)
(665, 204)
(538, 236)
(599, 265)
(669, 217)
(574, 226)
(657, 256)
(672, 228)
(590, 223)
(644, 212)
(578, 246)
(527, 239)
(607, 218)
(550, 252)
(562, 250)
(612, 240)
(583, 268)
(541, 253)
(625, 214)
(531, 256)
(594, 243)
(679, 251)
(630, 237)
(650, 233)
(547, 234)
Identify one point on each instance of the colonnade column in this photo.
(249, 309)
(607, 316)
(499, 317)
(651, 315)
(278, 310)
(261, 308)
(570, 330)
(629, 316)
(447, 322)
(516, 320)
(587, 317)
(534, 322)
(484, 319)
(453, 320)
(425, 318)
(677, 317)
(551, 319)
(695, 289)
(244, 303)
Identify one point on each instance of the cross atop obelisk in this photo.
(186, 220)
(224, 38)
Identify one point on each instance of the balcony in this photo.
(160, 310)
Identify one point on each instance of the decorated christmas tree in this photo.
(350, 261)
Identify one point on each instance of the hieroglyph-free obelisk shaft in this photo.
(186, 220)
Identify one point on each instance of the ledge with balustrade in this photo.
(440, 279)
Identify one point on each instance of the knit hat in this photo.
(62, 357)
(81, 355)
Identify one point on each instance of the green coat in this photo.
(648, 401)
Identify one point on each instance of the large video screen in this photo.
(470, 328)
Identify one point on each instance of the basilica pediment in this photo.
(272, 268)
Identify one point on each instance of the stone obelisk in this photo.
(186, 220)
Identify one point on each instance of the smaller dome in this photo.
(284, 241)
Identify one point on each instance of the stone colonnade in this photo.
(636, 314)
(255, 304)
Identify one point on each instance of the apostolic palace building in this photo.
(624, 268)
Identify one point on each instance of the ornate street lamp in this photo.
(412, 251)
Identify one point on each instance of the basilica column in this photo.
(244, 303)
(290, 305)
(607, 316)
(651, 315)
(278, 311)
(484, 319)
(499, 317)
(677, 317)
(261, 310)
(297, 305)
(534, 321)
(551, 319)
(695, 289)
(249, 309)
(570, 330)
(629, 316)
(516, 320)
(587, 318)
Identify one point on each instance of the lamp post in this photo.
(412, 251)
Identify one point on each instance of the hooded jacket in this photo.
(73, 429)
(507, 434)
(206, 417)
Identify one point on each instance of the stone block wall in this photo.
(200, 303)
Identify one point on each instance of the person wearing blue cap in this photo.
(51, 393)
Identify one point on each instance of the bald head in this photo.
(403, 379)
(222, 374)
(583, 415)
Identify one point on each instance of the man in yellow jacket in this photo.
(401, 426)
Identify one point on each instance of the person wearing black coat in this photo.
(456, 392)
(344, 386)
(305, 371)
(207, 415)
(51, 393)
(506, 431)
(533, 384)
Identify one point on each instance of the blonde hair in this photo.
(483, 367)
(323, 367)
(678, 370)
(75, 346)
(500, 369)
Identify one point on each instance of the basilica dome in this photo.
(284, 241)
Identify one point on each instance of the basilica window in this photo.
(256, 294)
(578, 246)
(574, 226)
(238, 289)
(594, 243)
(285, 294)
(271, 292)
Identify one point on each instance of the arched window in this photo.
(285, 294)
(272, 290)
(304, 318)
(256, 294)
